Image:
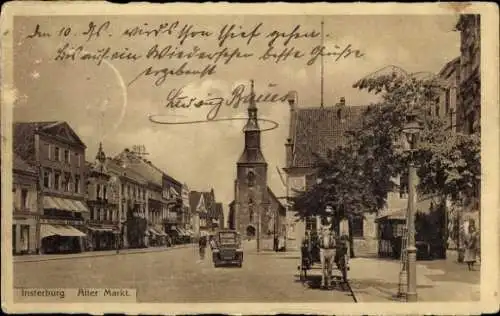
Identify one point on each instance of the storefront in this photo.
(391, 224)
(60, 238)
(157, 236)
(62, 225)
(102, 237)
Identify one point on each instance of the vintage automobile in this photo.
(227, 249)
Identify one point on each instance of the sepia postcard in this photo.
(250, 158)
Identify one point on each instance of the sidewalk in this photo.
(376, 280)
(88, 254)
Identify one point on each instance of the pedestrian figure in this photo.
(202, 244)
(471, 245)
(213, 243)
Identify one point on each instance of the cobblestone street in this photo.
(177, 275)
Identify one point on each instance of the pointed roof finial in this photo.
(100, 154)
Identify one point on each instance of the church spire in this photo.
(101, 157)
(252, 152)
(252, 123)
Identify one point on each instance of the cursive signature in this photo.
(177, 99)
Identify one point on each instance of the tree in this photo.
(448, 162)
(358, 176)
(343, 187)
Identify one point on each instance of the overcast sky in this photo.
(95, 103)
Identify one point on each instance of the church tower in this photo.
(251, 192)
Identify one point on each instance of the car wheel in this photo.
(240, 264)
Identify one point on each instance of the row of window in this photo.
(102, 214)
(101, 191)
(133, 191)
(61, 181)
(62, 154)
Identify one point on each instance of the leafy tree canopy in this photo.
(358, 176)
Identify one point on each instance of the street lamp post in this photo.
(411, 130)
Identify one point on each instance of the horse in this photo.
(328, 244)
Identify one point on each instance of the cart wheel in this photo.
(343, 269)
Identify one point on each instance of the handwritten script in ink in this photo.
(157, 53)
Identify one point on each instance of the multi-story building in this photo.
(446, 107)
(156, 204)
(57, 154)
(187, 218)
(103, 228)
(315, 130)
(199, 212)
(469, 96)
(25, 212)
(174, 220)
(132, 203)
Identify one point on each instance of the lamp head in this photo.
(292, 98)
(412, 130)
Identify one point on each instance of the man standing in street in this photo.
(327, 244)
(202, 244)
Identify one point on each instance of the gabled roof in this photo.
(194, 200)
(141, 167)
(113, 166)
(316, 130)
(24, 135)
(281, 210)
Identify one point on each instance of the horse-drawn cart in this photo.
(335, 258)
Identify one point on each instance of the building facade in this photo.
(469, 96)
(155, 202)
(469, 110)
(56, 152)
(315, 130)
(132, 203)
(446, 107)
(175, 216)
(25, 208)
(103, 227)
(186, 206)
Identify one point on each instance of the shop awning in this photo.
(51, 202)
(174, 192)
(157, 232)
(47, 230)
(160, 232)
(423, 206)
(101, 229)
(392, 214)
